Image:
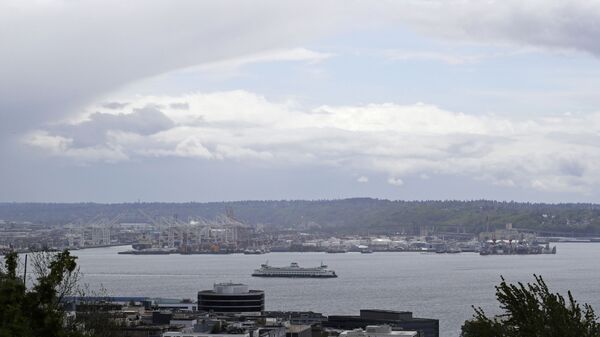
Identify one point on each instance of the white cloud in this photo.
(363, 179)
(47, 142)
(62, 146)
(558, 153)
(395, 181)
(192, 147)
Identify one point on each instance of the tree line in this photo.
(350, 215)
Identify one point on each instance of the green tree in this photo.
(12, 295)
(37, 311)
(533, 311)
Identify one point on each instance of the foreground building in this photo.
(378, 331)
(400, 320)
(233, 310)
(200, 334)
(231, 297)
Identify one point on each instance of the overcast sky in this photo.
(113, 101)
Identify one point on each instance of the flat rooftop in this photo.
(296, 328)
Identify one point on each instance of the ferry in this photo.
(294, 270)
(150, 251)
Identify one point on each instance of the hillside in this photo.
(346, 215)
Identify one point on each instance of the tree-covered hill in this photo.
(350, 215)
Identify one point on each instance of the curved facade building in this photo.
(231, 297)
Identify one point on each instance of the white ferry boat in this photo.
(294, 270)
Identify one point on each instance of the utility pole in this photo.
(25, 272)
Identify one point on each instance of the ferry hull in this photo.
(296, 276)
(294, 271)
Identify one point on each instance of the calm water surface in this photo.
(430, 285)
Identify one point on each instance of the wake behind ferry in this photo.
(294, 270)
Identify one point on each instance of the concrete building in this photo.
(378, 331)
(231, 297)
(146, 302)
(201, 334)
(298, 331)
(269, 331)
(298, 317)
(398, 320)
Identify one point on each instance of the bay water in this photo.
(440, 286)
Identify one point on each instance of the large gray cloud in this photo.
(58, 55)
(143, 121)
(571, 24)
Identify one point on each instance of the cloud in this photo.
(94, 128)
(181, 106)
(114, 105)
(552, 24)
(192, 147)
(61, 146)
(293, 54)
(395, 181)
(363, 179)
(552, 153)
(67, 54)
(61, 56)
(45, 141)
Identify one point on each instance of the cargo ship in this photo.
(294, 270)
(506, 247)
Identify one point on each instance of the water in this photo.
(430, 285)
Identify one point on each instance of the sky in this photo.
(144, 100)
